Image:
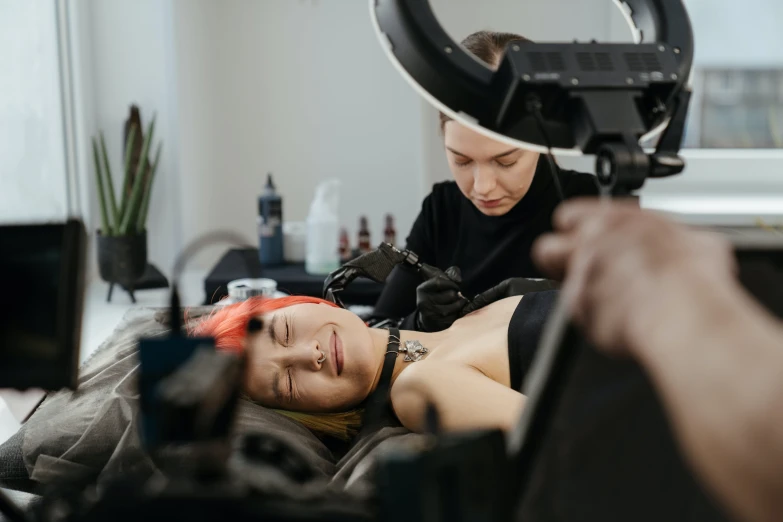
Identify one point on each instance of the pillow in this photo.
(93, 433)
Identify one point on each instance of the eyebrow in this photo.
(501, 155)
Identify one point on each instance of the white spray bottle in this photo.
(323, 230)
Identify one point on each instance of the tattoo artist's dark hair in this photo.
(487, 46)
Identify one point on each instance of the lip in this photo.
(489, 203)
(336, 345)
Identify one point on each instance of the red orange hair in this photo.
(228, 325)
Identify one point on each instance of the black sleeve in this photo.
(398, 298)
(580, 184)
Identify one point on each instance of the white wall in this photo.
(299, 89)
(302, 89)
(126, 57)
(539, 20)
(33, 175)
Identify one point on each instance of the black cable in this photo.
(553, 166)
(190, 250)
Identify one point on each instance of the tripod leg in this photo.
(111, 289)
(133, 297)
(10, 510)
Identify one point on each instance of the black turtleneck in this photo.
(451, 231)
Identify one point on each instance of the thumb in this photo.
(471, 307)
(482, 300)
(454, 273)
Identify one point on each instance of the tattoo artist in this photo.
(478, 230)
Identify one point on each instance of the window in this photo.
(736, 108)
(33, 180)
(733, 142)
(737, 76)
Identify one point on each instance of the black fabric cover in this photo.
(13, 474)
(93, 433)
(608, 453)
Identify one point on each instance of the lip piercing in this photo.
(322, 359)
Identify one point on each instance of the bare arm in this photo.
(464, 397)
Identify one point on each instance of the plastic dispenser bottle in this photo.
(323, 230)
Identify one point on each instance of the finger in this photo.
(438, 284)
(484, 299)
(451, 311)
(446, 298)
(454, 273)
(578, 270)
(552, 252)
(477, 304)
(571, 214)
(470, 308)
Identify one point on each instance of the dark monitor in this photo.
(41, 304)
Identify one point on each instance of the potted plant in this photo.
(122, 239)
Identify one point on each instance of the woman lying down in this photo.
(318, 363)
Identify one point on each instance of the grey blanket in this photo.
(93, 434)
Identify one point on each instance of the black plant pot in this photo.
(122, 260)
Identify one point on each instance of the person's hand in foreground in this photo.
(628, 270)
(642, 285)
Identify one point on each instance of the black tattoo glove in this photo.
(438, 299)
(509, 288)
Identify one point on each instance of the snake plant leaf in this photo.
(145, 204)
(115, 213)
(127, 175)
(101, 193)
(132, 211)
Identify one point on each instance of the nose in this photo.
(484, 180)
(310, 356)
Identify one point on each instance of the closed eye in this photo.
(506, 165)
(290, 387)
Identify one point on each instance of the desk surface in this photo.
(291, 279)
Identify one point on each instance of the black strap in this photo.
(376, 404)
(392, 350)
